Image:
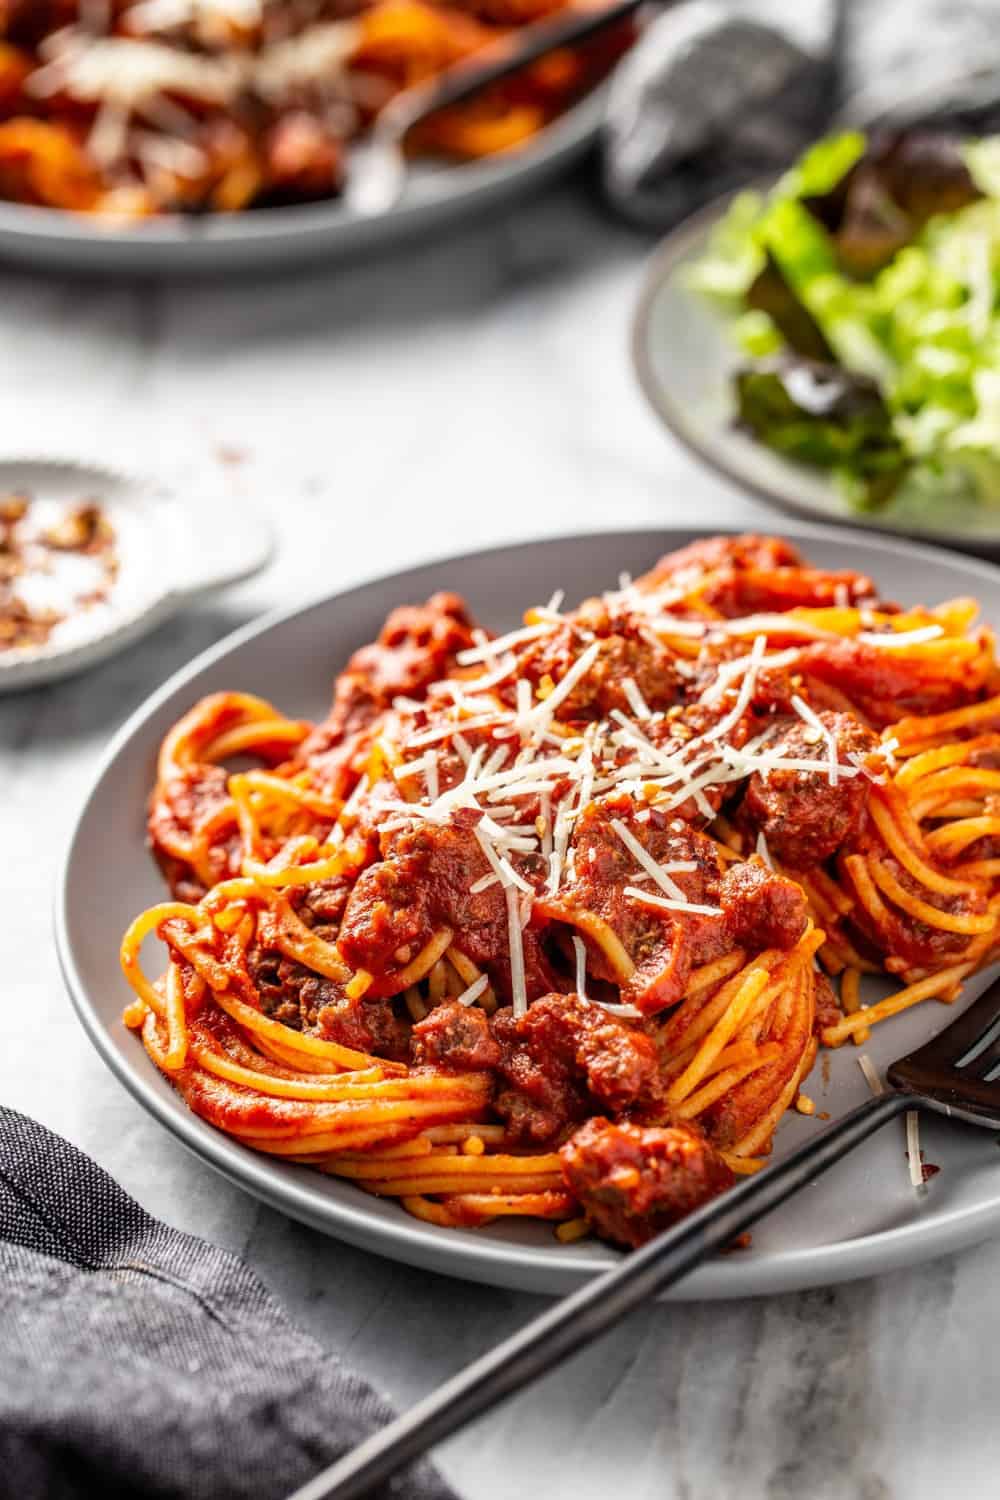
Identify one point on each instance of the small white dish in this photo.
(169, 554)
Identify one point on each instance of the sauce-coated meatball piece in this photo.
(803, 816)
(635, 1180)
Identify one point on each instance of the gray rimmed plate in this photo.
(862, 1218)
(270, 238)
(684, 357)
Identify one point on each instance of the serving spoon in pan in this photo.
(956, 1074)
(378, 165)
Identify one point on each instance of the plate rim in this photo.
(478, 1258)
(670, 251)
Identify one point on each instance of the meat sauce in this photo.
(562, 1061)
(804, 817)
(417, 646)
(567, 1074)
(744, 575)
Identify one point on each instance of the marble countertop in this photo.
(458, 394)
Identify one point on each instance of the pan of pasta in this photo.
(212, 134)
(556, 919)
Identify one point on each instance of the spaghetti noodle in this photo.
(547, 924)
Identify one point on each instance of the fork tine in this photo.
(956, 1039)
(932, 1073)
(985, 1061)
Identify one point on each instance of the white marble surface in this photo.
(450, 396)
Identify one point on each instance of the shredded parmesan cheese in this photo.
(542, 713)
(648, 899)
(519, 992)
(893, 639)
(913, 1148)
(502, 643)
(636, 701)
(580, 950)
(472, 994)
(627, 1012)
(810, 717)
(645, 859)
(870, 1071)
(745, 693)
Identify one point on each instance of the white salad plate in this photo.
(862, 1218)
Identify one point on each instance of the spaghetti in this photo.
(548, 923)
(128, 108)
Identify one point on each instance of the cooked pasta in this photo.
(548, 923)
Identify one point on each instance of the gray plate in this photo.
(862, 1218)
(684, 358)
(274, 237)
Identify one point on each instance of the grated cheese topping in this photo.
(472, 994)
(636, 701)
(870, 1071)
(645, 859)
(580, 952)
(810, 717)
(519, 993)
(913, 1152)
(890, 640)
(528, 777)
(648, 899)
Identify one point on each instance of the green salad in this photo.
(864, 292)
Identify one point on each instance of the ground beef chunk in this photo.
(417, 646)
(294, 995)
(803, 818)
(387, 919)
(663, 945)
(564, 1059)
(423, 884)
(634, 1181)
(740, 575)
(455, 1036)
(762, 910)
(321, 906)
(367, 1026)
(622, 654)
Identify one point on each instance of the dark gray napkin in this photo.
(719, 91)
(138, 1361)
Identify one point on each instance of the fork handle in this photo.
(595, 1307)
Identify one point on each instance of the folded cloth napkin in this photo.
(719, 91)
(138, 1361)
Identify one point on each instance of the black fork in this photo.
(957, 1074)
